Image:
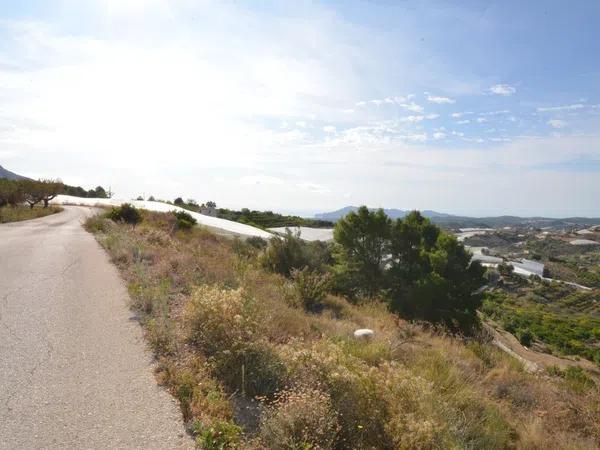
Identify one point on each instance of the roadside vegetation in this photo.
(255, 339)
(23, 199)
(19, 213)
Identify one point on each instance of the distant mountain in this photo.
(10, 175)
(392, 213)
(451, 221)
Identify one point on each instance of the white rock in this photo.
(364, 333)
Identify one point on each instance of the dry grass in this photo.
(20, 213)
(225, 331)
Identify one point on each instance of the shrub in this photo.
(97, 224)
(219, 319)
(290, 252)
(185, 221)
(126, 213)
(525, 338)
(254, 369)
(577, 379)
(506, 269)
(257, 242)
(161, 336)
(222, 435)
(311, 288)
(302, 418)
(284, 254)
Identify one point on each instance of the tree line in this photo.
(31, 192)
(78, 191)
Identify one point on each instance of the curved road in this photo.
(74, 370)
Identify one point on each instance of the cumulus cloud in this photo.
(503, 89)
(439, 135)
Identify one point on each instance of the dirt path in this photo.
(534, 361)
(74, 370)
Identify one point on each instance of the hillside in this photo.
(10, 175)
(256, 358)
(454, 221)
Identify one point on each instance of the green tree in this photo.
(100, 192)
(432, 276)
(33, 191)
(11, 193)
(50, 189)
(362, 239)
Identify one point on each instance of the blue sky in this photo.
(467, 107)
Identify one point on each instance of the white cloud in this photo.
(439, 100)
(412, 106)
(329, 129)
(557, 123)
(481, 120)
(417, 137)
(573, 107)
(432, 116)
(463, 122)
(458, 115)
(503, 89)
(412, 119)
(439, 135)
(494, 113)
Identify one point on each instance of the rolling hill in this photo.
(452, 221)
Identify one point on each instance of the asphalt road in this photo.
(74, 370)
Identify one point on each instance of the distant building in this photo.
(208, 210)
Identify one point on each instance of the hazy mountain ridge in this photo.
(453, 221)
(10, 175)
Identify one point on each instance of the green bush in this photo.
(185, 221)
(525, 338)
(290, 252)
(311, 288)
(253, 369)
(126, 213)
(222, 435)
(257, 242)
